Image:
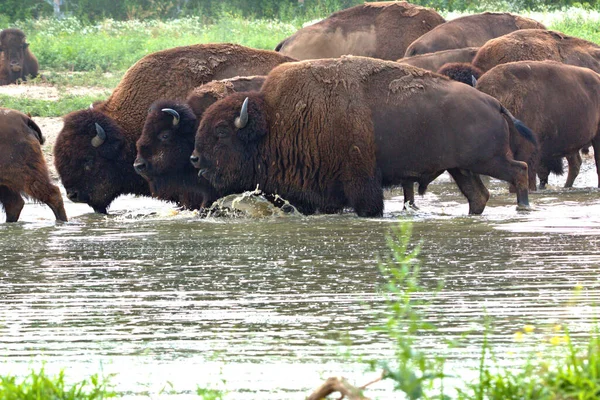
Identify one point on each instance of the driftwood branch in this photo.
(341, 386)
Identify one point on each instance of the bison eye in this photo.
(87, 166)
(222, 132)
(164, 136)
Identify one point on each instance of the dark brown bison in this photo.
(95, 150)
(461, 72)
(23, 169)
(381, 30)
(435, 61)
(17, 62)
(163, 156)
(560, 103)
(200, 98)
(538, 45)
(469, 31)
(328, 134)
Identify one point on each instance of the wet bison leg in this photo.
(13, 203)
(574, 161)
(473, 188)
(408, 190)
(48, 194)
(365, 196)
(596, 147)
(511, 171)
(543, 173)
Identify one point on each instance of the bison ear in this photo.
(38, 132)
(25, 45)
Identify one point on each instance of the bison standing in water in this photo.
(163, 156)
(23, 169)
(469, 31)
(379, 29)
(17, 62)
(560, 103)
(329, 134)
(95, 150)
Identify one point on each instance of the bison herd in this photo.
(379, 95)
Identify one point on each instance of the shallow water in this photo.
(160, 297)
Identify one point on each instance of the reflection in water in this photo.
(156, 295)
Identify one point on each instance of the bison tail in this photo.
(38, 132)
(586, 150)
(521, 127)
(423, 188)
(554, 165)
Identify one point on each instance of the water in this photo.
(163, 298)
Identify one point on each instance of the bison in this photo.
(17, 62)
(560, 103)
(23, 169)
(203, 96)
(95, 150)
(328, 134)
(469, 31)
(163, 156)
(434, 61)
(381, 30)
(461, 72)
(538, 45)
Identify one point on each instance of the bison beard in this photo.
(325, 134)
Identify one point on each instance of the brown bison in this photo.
(560, 103)
(17, 62)
(200, 98)
(469, 31)
(538, 45)
(434, 61)
(95, 150)
(23, 169)
(381, 30)
(163, 156)
(461, 72)
(328, 134)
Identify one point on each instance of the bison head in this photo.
(163, 155)
(13, 46)
(227, 142)
(461, 72)
(93, 159)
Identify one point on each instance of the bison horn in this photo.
(473, 81)
(100, 136)
(174, 113)
(91, 106)
(242, 120)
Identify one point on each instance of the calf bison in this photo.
(469, 31)
(163, 156)
(328, 134)
(538, 45)
(23, 169)
(95, 150)
(17, 62)
(381, 30)
(200, 98)
(434, 61)
(560, 103)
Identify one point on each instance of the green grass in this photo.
(40, 386)
(48, 108)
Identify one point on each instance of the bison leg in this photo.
(473, 188)
(574, 161)
(408, 190)
(365, 196)
(543, 173)
(13, 203)
(512, 171)
(48, 194)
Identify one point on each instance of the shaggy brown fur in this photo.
(565, 115)
(97, 175)
(163, 156)
(538, 45)
(200, 98)
(381, 30)
(17, 61)
(461, 72)
(23, 170)
(434, 61)
(469, 31)
(328, 134)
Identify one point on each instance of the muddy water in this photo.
(160, 297)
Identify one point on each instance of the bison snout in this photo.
(77, 197)
(140, 165)
(195, 160)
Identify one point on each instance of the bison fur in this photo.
(17, 61)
